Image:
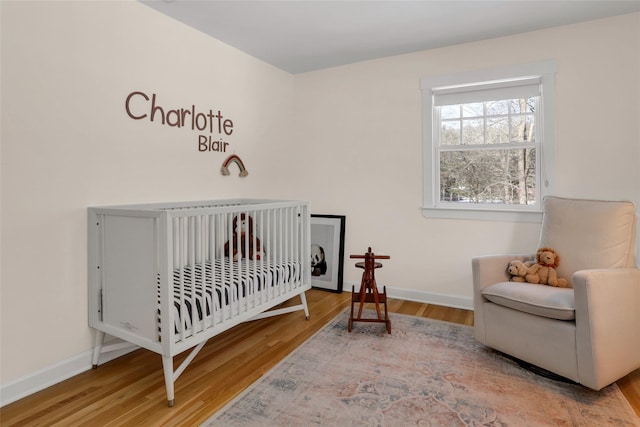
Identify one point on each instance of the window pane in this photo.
(473, 110)
(450, 133)
(472, 132)
(488, 176)
(498, 108)
(524, 105)
(522, 128)
(497, 130)
(450, 112)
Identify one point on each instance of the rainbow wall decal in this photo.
(234, 159)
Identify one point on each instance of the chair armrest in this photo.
(488, 270)
(607, 319)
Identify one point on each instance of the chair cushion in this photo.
(589, 234)
(539, 300)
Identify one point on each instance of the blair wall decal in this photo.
(139, 106)
(234, 159)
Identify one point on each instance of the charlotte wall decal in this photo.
(215, 126)
(234, 159)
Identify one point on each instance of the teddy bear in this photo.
(544, 270)
(517, 270)
(243, 226)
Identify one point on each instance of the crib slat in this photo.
(191, 262)
(280, 252)
(235, 274)
(197, 294)
(181, 248)
(263, 256)
(289, 236)
(251, 276)
(211, 256)
(243, 294)
(226, 293)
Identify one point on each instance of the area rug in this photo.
(425, 373)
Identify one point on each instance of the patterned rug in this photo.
(426, 373)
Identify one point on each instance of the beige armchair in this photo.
(589, 334)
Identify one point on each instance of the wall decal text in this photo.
(139, 106)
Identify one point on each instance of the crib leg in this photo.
(97, 348)
(303, 298)
(167, 365)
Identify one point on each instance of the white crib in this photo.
(159, 278)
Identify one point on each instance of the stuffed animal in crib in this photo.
(318, 262)
(243, 228)
(544, 270)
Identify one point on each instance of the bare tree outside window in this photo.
(487, 152)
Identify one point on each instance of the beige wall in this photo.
(361, 127)
(348, 139)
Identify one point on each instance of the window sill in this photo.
(482, 214)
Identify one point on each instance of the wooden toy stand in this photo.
(369, 291)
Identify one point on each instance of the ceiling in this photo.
(305, 35)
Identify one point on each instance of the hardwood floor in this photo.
(130, 390)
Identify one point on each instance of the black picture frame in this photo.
(327, 240)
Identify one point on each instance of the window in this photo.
(489, 149)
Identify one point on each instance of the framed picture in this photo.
(327, 251)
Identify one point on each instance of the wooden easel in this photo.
(369, 291)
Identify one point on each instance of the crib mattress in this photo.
(220, 289)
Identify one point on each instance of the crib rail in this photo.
(211, 287)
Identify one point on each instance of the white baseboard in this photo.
(75, 365)
(53, 374)
(452, 301)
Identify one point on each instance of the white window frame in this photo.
(432, 208)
